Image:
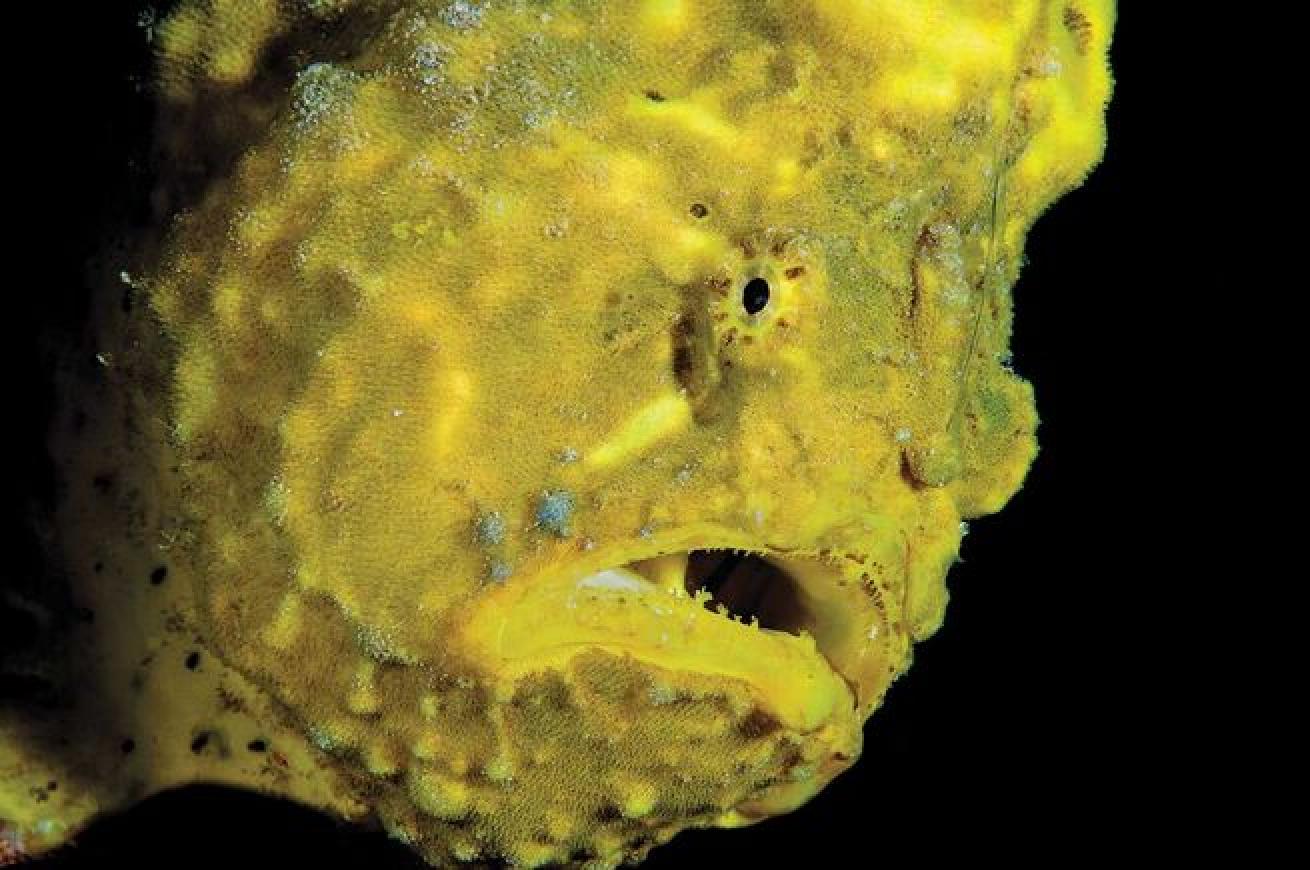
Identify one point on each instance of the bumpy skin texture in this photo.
(450, 322)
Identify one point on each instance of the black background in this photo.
(1018, 732)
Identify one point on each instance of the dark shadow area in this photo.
(80, 180)
(1014, 735)
(212, 827)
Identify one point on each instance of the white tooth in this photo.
(614, 578)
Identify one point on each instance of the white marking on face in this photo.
(614, 578)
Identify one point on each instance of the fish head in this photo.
(573, 410)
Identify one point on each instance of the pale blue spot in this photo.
(489, 529)
(554, 512)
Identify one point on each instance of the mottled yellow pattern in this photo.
(457, 366)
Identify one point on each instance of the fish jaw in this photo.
(803, 641)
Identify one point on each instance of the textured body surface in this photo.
(487, 333)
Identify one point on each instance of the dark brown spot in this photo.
(654, 96)
(698, 210)
(794, 272)
(159, 575)
(684, 330)
(1079, 27)
(793, 758)
(229, 701)
(758, 723)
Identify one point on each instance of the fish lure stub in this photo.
(550, 424)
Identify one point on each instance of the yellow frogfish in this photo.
(545, 426)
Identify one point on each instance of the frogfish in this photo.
(541, 426)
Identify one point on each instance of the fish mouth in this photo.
(808, 630)
(783, 593)
(800, 639)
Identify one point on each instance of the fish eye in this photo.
(755, 295)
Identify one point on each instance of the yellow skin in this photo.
(447, 367)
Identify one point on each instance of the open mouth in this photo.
(801, 629)
(801, 596)
(749, 587)
(798, 640)
(744, 586)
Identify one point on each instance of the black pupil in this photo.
(755, 295)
